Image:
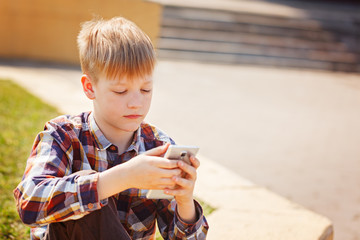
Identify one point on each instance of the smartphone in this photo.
(176, 152)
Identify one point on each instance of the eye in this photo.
(120, 92)
(146, 90)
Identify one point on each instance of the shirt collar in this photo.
(136, 143)
(103, 143)
(100, 139)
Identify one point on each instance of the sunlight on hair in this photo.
(115, 47)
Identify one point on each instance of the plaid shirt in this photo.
(54, 187)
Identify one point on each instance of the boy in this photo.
(85, 172)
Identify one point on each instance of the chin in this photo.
(131, 128)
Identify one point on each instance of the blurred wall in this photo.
(47, 30)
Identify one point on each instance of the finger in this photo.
(169, 173)
(164, 163)
(175, 192)
(182, 182)
(161, 162)
(190, 170)
(162, 187)
(164, 183)
(195, 162)
(158, 151)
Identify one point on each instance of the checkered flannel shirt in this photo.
(53, 190)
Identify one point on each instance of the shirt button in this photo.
(112, 148)
(90, 206)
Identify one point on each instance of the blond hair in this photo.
(116, 48)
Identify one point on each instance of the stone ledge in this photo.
(247, 211)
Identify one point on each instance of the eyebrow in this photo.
(148, 79)
(146, 82)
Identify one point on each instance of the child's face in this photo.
(121, 104)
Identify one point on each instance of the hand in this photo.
(185, 182)
(146, 171)
(185, 188)
(151, 171)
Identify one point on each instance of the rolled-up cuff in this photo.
(190, 228)
(87, 191)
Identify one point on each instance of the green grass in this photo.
(22, 116)
(208, 209)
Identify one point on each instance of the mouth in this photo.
(134, 116)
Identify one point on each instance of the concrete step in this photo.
(226, 16)
(256, 49)
(315, 21)
(251, 38)
(248, 38)
(248, 27)
(295, 9)
(247, 59)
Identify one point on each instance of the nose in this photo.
(135, 101)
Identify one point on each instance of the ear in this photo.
(88, 86)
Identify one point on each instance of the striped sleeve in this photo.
(49, 191)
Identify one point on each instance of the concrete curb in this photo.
(247, 211)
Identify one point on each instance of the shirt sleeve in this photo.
(172, 227)
(49, 191)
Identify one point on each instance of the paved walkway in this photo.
(240, 117)
(295, 132)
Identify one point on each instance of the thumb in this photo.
(158, 151)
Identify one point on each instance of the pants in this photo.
(102, 224)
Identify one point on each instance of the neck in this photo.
(121, 139)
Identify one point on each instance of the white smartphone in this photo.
(174, 152)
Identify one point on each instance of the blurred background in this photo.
(269, 89)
